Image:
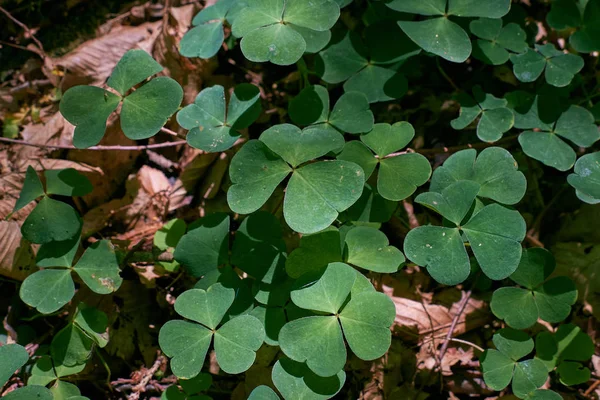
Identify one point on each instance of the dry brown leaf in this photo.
(92, 62)
(17, 259)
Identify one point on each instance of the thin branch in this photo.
(148, 374)
(95, 148)
(448, 338)
(26, 29)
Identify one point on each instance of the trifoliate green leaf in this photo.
(297, 146)
(134, 67)
(51, 221)
(586, 179)
(365, 67)
(495, 118)
(12, 357)
(65, 391)
(48, 290)
(543, 394)
(494, 169)
(236, 341)
(273, 319)
(45, 372)
(587, 38)
(32, 189)
(495, 41)
(205, 246)
(351, 113)
(358, 153)
(88, 108)
(67, 182)
(371, 207)
(255, 172)
(576, 125)
(259, 248)
(30, 392)
(71, 346)
(93, 323)
(98, 267)
(454, 201)
(560, 68)
(503, 365)
(367, 333)
(565, 349)
(369, 248)
(212, 126)
(295, 380)
(564, 14)
(266, 30)
(146, 110)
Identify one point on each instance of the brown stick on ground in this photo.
(148, 374)
(447, 340)
(27, 30)
(95, 148)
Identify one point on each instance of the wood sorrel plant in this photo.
(339, 166)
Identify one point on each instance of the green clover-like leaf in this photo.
(494, 234)
(399, 175)
(50, 289)
(371, 67)
(494, 169)
(566, 14)
(494, 117)
(497, 42)
(259, 248)
(12, 357)
(370, 207)
(547, 145)
(440, 35)
(586, 179)
(295, 380)
(73, 345)
(550, 300)
(67, 182)
(367, 333)
(502, 366)
(369, 248)
(316, 193)
(212, 126)
(560, 68)
(543, 394)
(45, 371)
(143, 113)
(51, 221)
(272, 30)
(263, 392)
(565, 349)
(315, 252)
(351, 113)
(31, 190)
(235, 341)
(205, 38)
(205, 246)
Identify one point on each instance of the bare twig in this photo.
(148, 374)
(95, 148)
(447, 340)
(533, 240)
(589, 390)
(27, 30)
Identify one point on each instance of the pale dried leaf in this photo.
(17, 260)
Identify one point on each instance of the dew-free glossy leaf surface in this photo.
(88, 108)
(369, 248)
(315, 252)
(48, 290)
(205, 307)
(295, 380)
(236, 343)
(494, 169)
(98, 267)
(30, 392)
(51, 220)
(358, 153)
(12, 357)
(147, 109)
(318, 192)
(586, 178)
(32, 189)
(263, 392)
(255, 172)
(400, 176)
(205, 246)
(297, 146)
(71, 346)
(385, 139)
(187, 344)
(67, 182)
(134, 67)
